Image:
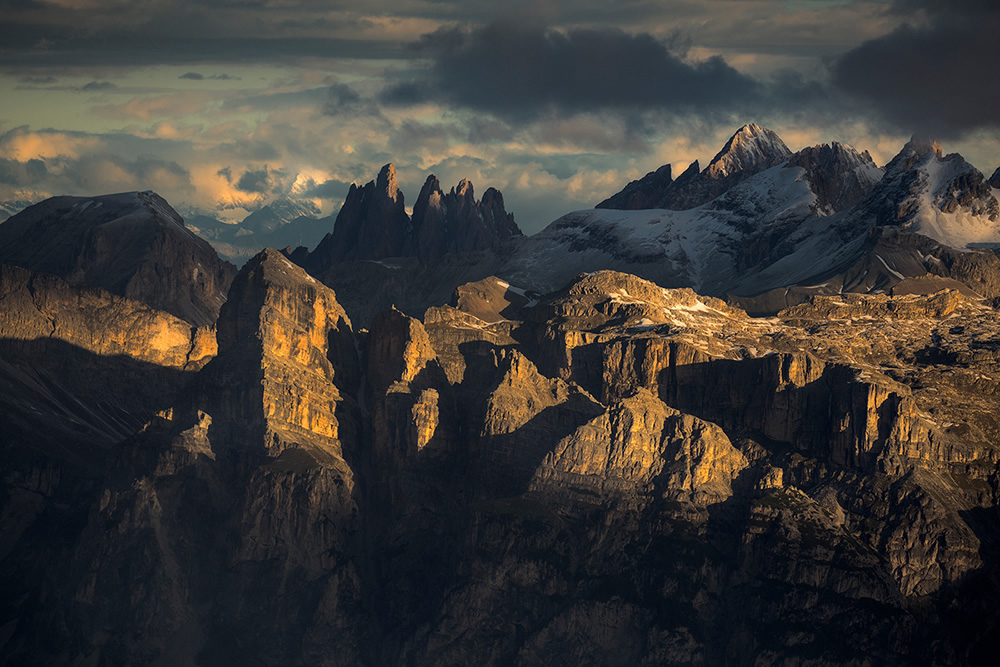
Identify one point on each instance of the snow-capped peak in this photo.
(941, 197)
(753, 148)
(916, 148)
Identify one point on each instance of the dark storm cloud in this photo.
(15, 172)
(254, 181)
(178, 49)
(523, 71)
(38, 80)
(190, 33)
(342, 99)
(198, 76)
(98, 86)
(333, 190)
(92, 174)
(937, 76)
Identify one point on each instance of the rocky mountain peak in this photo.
(838, 174)
(748, 152)
(432, 184)
(132, 244)
(269, 283)
(912, 152)
(690, 173)
(464, 189)
(373, 224)
(387, 185)
(752, 149)
(995, 178)
(278, 213)
(281, 327)
(643, 193)
(922, 145)
(935, 195)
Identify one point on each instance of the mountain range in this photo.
(748, 416)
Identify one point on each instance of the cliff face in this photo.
(230, 505)
(614, 473)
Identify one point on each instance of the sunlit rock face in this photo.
(610, 473)
(132, 244)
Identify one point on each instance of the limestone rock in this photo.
(640, 445)
(40, 306)
(284, 327)
(613, 473)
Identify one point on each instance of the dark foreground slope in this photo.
(613, 474)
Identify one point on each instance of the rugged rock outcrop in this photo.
(612, 472)
(82, 368)
(823, 221)
(452, 239)
(995, 178)
(39, 306)
(641, 446)
(233, 502)
(131, 244)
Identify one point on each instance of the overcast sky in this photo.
(557, 104)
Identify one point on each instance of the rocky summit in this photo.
(544, 466)
(132, 244)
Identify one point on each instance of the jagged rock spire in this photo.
(373, 224)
